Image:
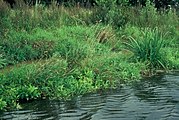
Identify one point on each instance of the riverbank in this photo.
(56, 52)
(158, 94)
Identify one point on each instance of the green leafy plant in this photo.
(28, 92)
(3, 104)
(172, 56)
(111, 68)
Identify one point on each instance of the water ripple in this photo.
(151, 99)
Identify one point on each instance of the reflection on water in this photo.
(152, 99)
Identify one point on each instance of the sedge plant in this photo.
(147, 48)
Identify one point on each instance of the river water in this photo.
(156, 98)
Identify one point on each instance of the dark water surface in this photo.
(151, 99)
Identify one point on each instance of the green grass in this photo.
(172, 56)
(57, 52)
(147, 48)
(66, 63)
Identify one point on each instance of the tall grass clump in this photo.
(72, 44)
(25, 18)
(5, 19)
(148, 48)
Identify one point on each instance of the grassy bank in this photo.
(56, 52)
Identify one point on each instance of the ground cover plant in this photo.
(57, 52)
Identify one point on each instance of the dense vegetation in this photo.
(57, 52)
(88, 3)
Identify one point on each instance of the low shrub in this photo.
(111, 67)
